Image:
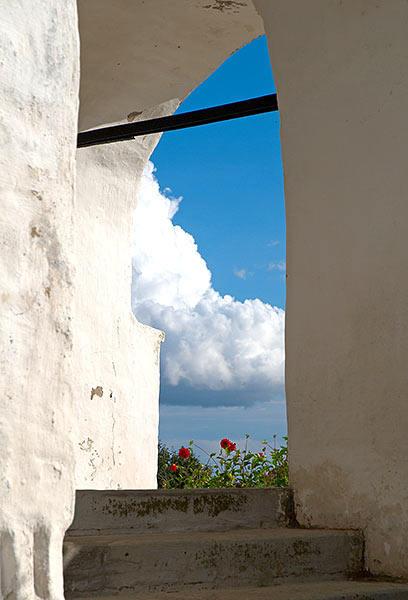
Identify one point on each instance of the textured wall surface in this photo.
(342, 81)
(136, 55)
(38, 114)
(116, 359)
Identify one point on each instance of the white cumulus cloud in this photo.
(213, 343)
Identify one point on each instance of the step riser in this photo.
(133, 511)
(172, 566)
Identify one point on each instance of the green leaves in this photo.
(230, 468)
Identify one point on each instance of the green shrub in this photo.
(231, 467)
(168, 458)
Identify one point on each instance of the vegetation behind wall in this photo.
(231, 467)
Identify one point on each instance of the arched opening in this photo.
(220, 294)
(78, 362)
(342, 101)
(178, 47)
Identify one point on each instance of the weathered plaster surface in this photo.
(136, 55)
(38, 114)
(116, 359)
(341, 74)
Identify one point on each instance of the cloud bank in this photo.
(217, 351)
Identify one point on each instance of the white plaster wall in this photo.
(38, 115)
(341, 69)
(136, 54)
(116, 358)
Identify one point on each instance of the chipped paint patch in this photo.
(98, 391)
(226, 5)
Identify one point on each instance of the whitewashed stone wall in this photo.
(116, 358)
(38, 115)
(342, 80)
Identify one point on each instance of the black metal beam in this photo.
(235, 110)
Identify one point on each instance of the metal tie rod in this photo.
(225, 112)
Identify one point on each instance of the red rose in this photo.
(232, 447)
(225, 443)
(260, 454)
(184, 452)
(173, 468)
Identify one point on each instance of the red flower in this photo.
(260, 454)
(184, 452)
(173, 468)
(232, 447)
(224, 443)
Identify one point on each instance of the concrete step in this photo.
(131, 511)
(112, 564)
(327, 590)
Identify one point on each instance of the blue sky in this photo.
(230, 175)
(209, 264)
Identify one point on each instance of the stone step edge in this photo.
(265, 557)
(233, 535)
(103, 511)
(325, 590)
